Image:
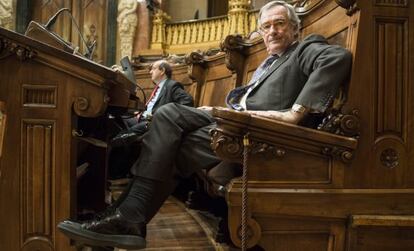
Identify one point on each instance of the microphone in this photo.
(53, 19)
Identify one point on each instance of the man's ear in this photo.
(162, 71)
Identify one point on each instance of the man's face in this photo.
(277, 31)
(156, 74)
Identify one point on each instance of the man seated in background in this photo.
(297, 80)
(123, 153)
(165, 91)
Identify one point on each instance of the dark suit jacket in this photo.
(309, 73)
(173, 92)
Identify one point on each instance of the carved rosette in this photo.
(389, 158)
(8, 48)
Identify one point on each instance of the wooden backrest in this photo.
(213, 79)
(2, 124)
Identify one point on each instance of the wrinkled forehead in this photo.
(155, 65)
(277, 12)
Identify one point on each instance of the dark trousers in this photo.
(177, 143)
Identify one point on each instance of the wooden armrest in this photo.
(280, 152)
(234, 123)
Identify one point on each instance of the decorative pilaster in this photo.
(127, 23)
(238, 17)
(158, 40)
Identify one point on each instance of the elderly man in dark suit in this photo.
(298, 79)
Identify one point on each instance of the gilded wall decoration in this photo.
(6, 14)
(127, 22)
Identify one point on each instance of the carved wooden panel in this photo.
(296, 233)
(44, 9)
(391, 76)
(91, 16)
(390, 99)
(219, 81)
(39, 96)
(399, 3)
(37, 194)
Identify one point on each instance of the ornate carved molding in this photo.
(231, 147)
(195, 57)
(39, 96)
(392, 3)
(341, 124)
(225, 145)
(200, 57)
(350, 6)
(343, 154)
(234, 42)
(80, 105)
(266, 150)
(127, 23)
(233, 46)
(8, 48)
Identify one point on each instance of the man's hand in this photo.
(206, 108)
(288, 116)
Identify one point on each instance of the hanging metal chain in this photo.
(244, 216)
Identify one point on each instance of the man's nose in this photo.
(273, 29)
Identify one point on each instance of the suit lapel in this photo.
(275, 66)
(162, 93)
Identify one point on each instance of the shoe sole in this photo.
(76, 232)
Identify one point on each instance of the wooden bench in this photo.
(347, 186)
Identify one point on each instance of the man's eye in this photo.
(266, 26)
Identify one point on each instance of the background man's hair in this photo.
(164, 65)
(293, 17)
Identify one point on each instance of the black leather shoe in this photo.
(124, 139)
(113, 231)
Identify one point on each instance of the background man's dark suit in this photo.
(171, 92)
(124, 155)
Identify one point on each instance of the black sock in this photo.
(134, 206)
(145, 197)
